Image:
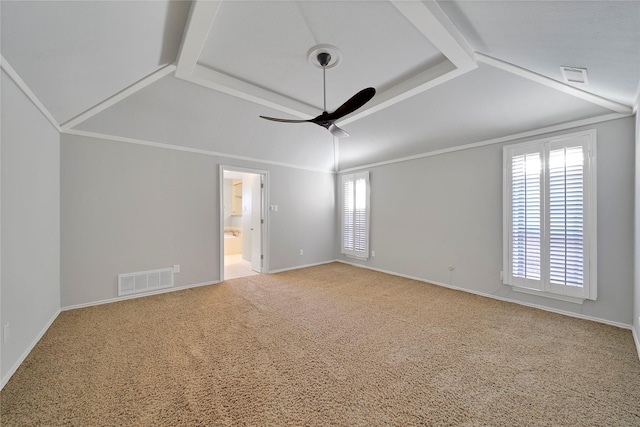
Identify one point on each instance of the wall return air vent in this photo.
(144, 281)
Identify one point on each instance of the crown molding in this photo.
(135, 141)
(508, 138)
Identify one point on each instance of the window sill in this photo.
(567, 298)
(361, 258)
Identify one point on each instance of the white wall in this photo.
(128, 208)
(228, 200)
(430, 213)
(248, 189)
(30, 168)
(636, 259)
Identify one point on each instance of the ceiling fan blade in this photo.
(355, 102)
(337, 132)
(273, 119)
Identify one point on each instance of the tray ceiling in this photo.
(197, 74)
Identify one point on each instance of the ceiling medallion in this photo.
(335, 55)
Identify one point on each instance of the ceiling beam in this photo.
(426, 16)
(201, 18)
(13, 75)
(139, 85)
(554, 84)
(419, 83)
(432, 22)
(226, 84)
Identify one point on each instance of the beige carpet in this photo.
(328, 345)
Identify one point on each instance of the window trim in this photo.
(354, 253)
(544, 287)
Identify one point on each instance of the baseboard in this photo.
(297, 267)
(16, 365)
(146, 294)
(174, 289)
(496, 297)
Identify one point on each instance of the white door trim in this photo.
(264, 240)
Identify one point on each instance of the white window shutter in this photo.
(526, 216)
(550, 217)
(348, 226)
(566, 216)
(355, 215)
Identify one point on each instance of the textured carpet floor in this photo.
(328, 345)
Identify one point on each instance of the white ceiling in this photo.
(74, 55)
(447, 74)
(602, 36)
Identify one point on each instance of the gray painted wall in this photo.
(30, 169)
(128, 208)
(430, 213)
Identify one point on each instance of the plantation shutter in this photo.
(348, 241)
(526, 216)
(550, 216)
(355, 215)
(566, 216)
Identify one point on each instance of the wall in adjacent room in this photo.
(129, 208)
(446, 210)
(30, 217)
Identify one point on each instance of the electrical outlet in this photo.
(176, 268)
(301, 251)
(5, 333)
(373, 253)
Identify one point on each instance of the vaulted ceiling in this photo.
(198, 74)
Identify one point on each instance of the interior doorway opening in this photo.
(243, 225)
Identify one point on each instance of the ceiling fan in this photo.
(327, 120)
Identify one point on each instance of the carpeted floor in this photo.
(327, 345)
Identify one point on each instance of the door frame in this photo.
(264, 202)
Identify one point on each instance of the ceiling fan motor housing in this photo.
(324, 58)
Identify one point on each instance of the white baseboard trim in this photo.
(297, 267)
(16, 365)
(636, 340)
(146, 294)
(496, 297)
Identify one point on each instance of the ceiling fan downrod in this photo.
(323, 60)
(327, 120)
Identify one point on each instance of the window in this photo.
(355, 215)
(550, 217)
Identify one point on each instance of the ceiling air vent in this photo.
(574, 75)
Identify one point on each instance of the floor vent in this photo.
(144, 281)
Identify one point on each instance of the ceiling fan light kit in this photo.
(327, 56)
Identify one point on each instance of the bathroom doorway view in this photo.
(242, 222)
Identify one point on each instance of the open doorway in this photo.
(243, 223)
